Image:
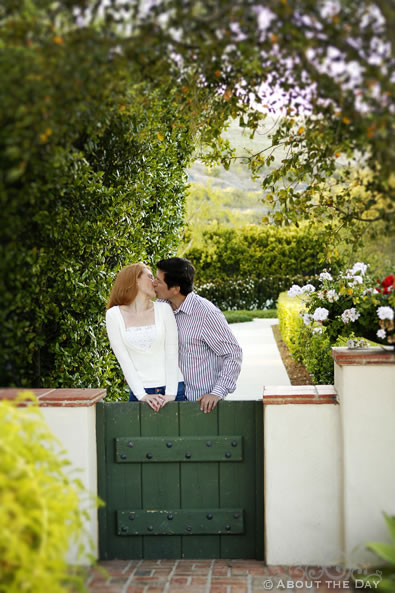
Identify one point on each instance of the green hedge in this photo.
(244, 315)
(254, 251)
(251, 293)
(81, 211)
(313, 351)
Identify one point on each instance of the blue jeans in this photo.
(180, 397)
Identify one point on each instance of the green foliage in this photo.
(386, 552)
(40, 505)
(209, 205)
(92, 178)
(254, 251)
(246, 315)
(252, 293)
(247, 267)
(350, 303)
(314, 351)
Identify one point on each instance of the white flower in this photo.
(307, 318)
(332, 295)
(325, 276)
(381, 334)
(353, 280)
(350, 315)
(294, 290)
(317, 330)
(321, 295)
(385, 313)
(358, 267)
(320, 314)
(308, 288)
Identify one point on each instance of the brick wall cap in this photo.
(363, 356)
(66, 397)
(299, 394)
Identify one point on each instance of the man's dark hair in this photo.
(178, 271)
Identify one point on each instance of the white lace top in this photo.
(142, 336)
(148, 355)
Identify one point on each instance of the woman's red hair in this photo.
(125, 287)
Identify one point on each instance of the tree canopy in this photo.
(103, 104)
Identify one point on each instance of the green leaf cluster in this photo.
(259, 251)
(92, 178)
(314, 351)
(41, 505)
(385, 581)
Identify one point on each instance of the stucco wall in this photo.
(303, 486)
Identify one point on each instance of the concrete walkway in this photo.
(262, 364)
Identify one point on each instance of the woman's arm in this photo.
(119, 349)
(171, 350)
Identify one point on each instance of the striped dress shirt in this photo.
(209, 355)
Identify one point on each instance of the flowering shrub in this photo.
(350, 304)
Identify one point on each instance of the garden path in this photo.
(262, 364)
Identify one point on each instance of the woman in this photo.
(143, 336)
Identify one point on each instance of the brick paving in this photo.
(212, 576)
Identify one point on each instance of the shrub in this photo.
(313, 350)
(246, 293)
(244, 315)
(253, 252)
(39, 505)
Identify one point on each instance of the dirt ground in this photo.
(297, 372)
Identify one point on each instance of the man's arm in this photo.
(218, 336)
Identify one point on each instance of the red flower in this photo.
(388, 284)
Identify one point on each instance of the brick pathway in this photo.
(212, 576)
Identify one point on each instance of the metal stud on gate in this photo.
(149, 456)
(124, 456)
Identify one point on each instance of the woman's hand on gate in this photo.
(156, 401)
(169, 398)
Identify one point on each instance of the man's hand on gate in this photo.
(208, 401)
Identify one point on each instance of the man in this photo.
(209, 355)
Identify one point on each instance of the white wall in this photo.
(367, 406)
(75, 427)
(303, 485)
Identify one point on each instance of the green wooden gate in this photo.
(180, 483)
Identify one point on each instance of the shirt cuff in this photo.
(220, 391)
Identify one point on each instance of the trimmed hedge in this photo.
(243, 315)
(254, 251)
(236, 293)
(314, 351)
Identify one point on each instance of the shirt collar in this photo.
(187, 305)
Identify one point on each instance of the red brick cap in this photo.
(70, 398)
(363, 356)
(299, 394)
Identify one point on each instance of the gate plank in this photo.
(199, 481)
(240, 416)
(124, 483)
(161, 481)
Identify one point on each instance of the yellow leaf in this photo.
(346, 120)
(59, 40)
(350, 291)
(160, 136)
(338, 154)
(218, 73)
(122, 107)
(227, 94)
(274, 38)
(301, 130)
